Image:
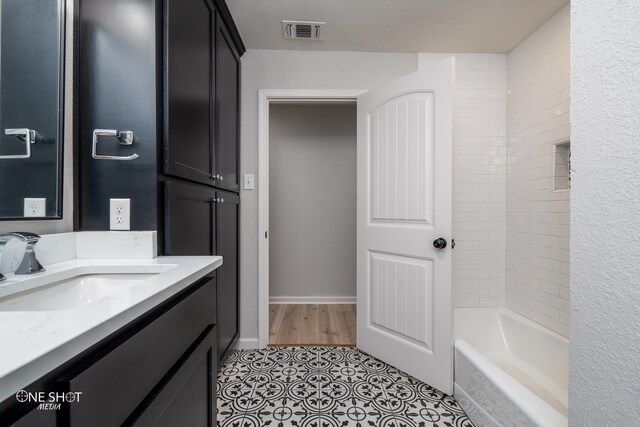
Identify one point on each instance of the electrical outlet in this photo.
(120, 214)
(35, 207)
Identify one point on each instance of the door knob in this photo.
(440, 243)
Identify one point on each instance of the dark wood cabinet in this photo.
(202, 93)
(155, 371)
(202, 75)
(227, 89)
(175, 83)
(189, 89)
(37, 418)
(140, 362)
(189, 219)
(204, 221)
(188, 398)
(227, 211)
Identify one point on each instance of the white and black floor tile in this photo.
(326, 387)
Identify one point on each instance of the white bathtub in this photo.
(509, 371)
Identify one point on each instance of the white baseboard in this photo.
(247, 344)
(312, 300)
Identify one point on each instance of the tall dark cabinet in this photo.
(189, 115)
(227, 65)
(168, 71)
(227, 210)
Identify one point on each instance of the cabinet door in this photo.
(37, 418)
(188, 398)
(227, 214)
(188, 121)
(115, 384)
(189, 227)
(227, 104)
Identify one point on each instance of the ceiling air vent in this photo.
(304, 30)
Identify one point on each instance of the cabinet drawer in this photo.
(188, 397)
(114, 385)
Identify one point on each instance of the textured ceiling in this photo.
(395, 25)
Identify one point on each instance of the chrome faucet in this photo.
(29, 262)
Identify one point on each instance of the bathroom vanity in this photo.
(173, 85)
(112, 341)
(152, 117)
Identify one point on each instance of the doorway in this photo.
(312, 223)
(404, 182)
(268, 99)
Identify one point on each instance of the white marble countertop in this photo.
(33, 343)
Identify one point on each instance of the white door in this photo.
(404, 204)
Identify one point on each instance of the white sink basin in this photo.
(73, 292)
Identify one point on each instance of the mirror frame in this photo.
(62, 37)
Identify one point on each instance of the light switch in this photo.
(248, 181)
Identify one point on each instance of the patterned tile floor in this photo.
(326, 387)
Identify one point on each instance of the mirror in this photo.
(31, 108)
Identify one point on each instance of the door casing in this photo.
(265, 98)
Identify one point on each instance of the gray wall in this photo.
(272, 69)
(66, 223)
(604, 358)
(312, 200)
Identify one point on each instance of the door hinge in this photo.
(265, 234)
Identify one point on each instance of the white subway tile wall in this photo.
(479, 177)
(537, 226)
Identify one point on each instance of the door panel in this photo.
(227, 102)
(401, 290)
(404, 204)
(227, 214)
(188, 94)
(402, 158)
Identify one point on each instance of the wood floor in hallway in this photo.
(312, 324)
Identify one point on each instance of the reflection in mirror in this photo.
(31, 106)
